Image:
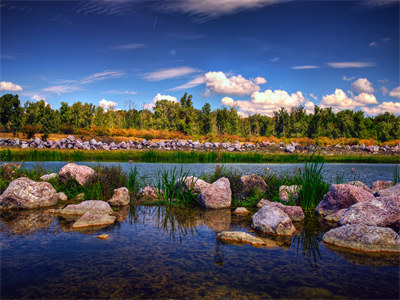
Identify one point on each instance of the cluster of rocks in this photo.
(72, 143)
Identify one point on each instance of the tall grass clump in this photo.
(311, 182)
(134, 182)
(396, 176)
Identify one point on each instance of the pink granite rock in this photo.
(81, 173)
(217, 195)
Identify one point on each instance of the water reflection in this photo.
(26, 222)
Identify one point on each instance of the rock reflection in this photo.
(23, 222)
(216, 219)
(122, 213)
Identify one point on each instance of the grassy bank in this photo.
(155, 156)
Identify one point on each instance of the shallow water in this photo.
(367, 173)
(158, 252)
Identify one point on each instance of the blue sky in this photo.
(256, 55)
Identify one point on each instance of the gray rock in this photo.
(120, 197)
(335, 217)
(92, 206)
(272, 220)
(89, 220)
(295, 213)
(290, 148)
(47, 177)
(392, 191)
(240, 211)
(62, 197)
(196, 184)
(289, 192)
(262, 203)
(381, 185)
(239, 237)
(360, 185)
(250, 182)
(81, 173)
(217, 195)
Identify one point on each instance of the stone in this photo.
(361, 185)
(47, 177)
(287, 192)
(251, 182)
(80, 197)
(196, 184)
(92, 206)
(334, 218)
(381, 185)
(262, 203)
(81, 173)
(120, 197)
(103, 236)
(89, 220)
(239, 237)
(217, 195)
(24, 193)
(295, 213)
(363, 238)
(381, 212)
(290, 148)
(148, 192)
(342, 196)
(272, 220)
(62, 197)
(392, 191)
(241, 211)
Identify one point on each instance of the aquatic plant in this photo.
(396, 176)
(134, 182)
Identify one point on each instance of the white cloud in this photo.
(338, 100)
(267, 102)
(219, 83)
(365, 98)
(156, 98)
(163, 74)
(395, 92)
(192, 83)
(384, 90)
(373, 44)
(362, 85)
(350, 64)
(61, 89)
(9, 86)
(345, 78)
(37, 98)
(101, 76)
(392, 107)
(121, 92)
(307, 67)
(313, 96)
(107, 104)
(127, 47)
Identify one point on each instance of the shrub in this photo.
(31, 130)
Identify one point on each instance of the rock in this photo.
(103, 236)
(92, 206)
(262, 203)
(392, 191)
(46, 177)
(241, 211)
(24, 193)
(290, 148)
(89, 220)
(381, 185)
(363, 238)
(148, 192)
(381, 212)
(342, 196)
(62, 197)
(289, 192)
(334, 218)
(361, 185)
(239, 237)
(80, 197)
(196, 184)
(295, 213)
(273, 220)
(81, 173)
(217, 195)
(120, 197)
(251, 182)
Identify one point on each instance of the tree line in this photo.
(184, 118)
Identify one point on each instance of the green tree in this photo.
(10, 112)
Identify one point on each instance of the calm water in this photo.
(366, 173)
(154, 252)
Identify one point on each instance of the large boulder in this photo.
(239, 237)
(24, 193)
(335, 217)
(289, 192)
(361, 185)
(120, 197)
(272, 220)
(342, 196)
(249, 182)
(381, 212)
(92, 206)
(295, 213)
(192, 183)
(381, 185)
(392, 191)
(217, 195)
(81, 173)
(363, 238)
(90, 220)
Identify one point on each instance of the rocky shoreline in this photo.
(78, 144)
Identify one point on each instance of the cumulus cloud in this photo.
(9, 86)
(267, 102)
(163, 74)
(345, 78)
(365, 98)
(384, 90)
(107, 104)
(395, 92)
(37, 98)
(340, 100)
(392, 107)
(219, 83)
(307, 67)
(362, 85)
(192, 83)
(158, 97)
(350, 64)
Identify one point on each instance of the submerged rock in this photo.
(120, 197)
(273, 220)
(90, 220)
(253, 181)
(217, 195)
(363, 238)
(81, 173)
(239, 237)
(92, 206)
(24, 193)
(103, 236)
(342, 196)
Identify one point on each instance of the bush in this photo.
(31, 130)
